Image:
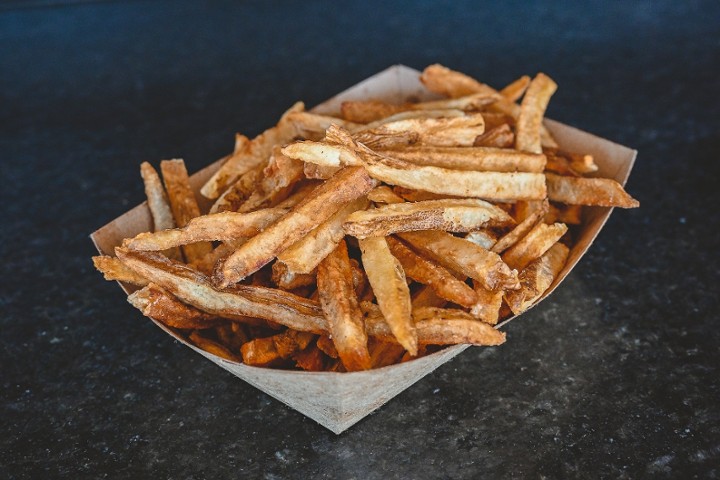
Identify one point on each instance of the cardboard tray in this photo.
(339, 400)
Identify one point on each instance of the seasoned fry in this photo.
(238, 302)
(183, 204)
(264, 351)
(384, 194)
(471, 158)
(536, 278)
(341, 309)
(463, 257)
(602, 192)
(346, 185)
(304, 255)
(532, 109)
(223, 227)
(156, 303)
(515, 90)
(113, 269)
(383, 354)
(251, 153)
(461, 215)
(538, 240)
(501, 136)
(319, 172)
(520, 231)
(206, 264)
(387, 279)
(424, 271)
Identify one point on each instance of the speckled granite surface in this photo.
(616, 376)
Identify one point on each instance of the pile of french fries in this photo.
(351, 243)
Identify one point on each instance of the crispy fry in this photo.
(501, 136)
(183, 204)
(388, 282)
(484, 238)
(383, 354)
(304, 255)
(251, 153)
(206, 264)
(570, 214)
(157, 201)
(326, 345)
(424, 271)
(520, 231)
(155, 302)
(603, 192)
(229, 337)
(536, 278)
(348, 184)
(238, 302)
(278, 178)
(411, 195)
(559, 164)
(304, 189)
(224, 227)
(461, 215)
(319, 172)
(287, 280)
(515, 90)
(213, 347)
(312, 126)
(538, 240)
(341, 309)
(384, 194)
(311, 359)
(532, 110)
(370, 111)
(487, 307)
(113, 269)
(426, 297)
(463, 257)
(235, 196)
(526, 208)
(581, 163)
(459, 131)
(471, 158)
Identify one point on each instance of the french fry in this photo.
(239, 303)
(311, 359)
(154, 302)
(384, 194)
(538, 240)
(387, 279)
(341, 309)
(602, 192)
(484, 238)
(251, 153)
(453, 215)
(383, 354)
(346, 185)
(319, 172)
(312, 126)
(514, 90)
(424, 271)
(113, 269)
(471, 158)
(265, 351)
(238, 192)
(463, 257)
(212, 347)
(183, 204)
(206, 264)
(278, 178)
(487, 307)
(459, 131)
(411, 195)
(426, 297)
(306, 254)
(520, 231)
(287, 280)
(326, 345)
(223, 227)
(532, 109)
(570, 214)
(158, 204)
(581, 163)
(536, 278)
(302, 190)
(370, 111)
(501, 136)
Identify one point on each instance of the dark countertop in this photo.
(616, 376)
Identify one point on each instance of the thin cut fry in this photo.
(304, 255)
(459, 131)
(471, 158)
(570, 214)
(532, 109)
(238, 192)
(536, 278)
(183, 204)
(424, 271)
(533, 245)
(341, 309)
(388, 282)
(264, 351)
(113, 269)
(348, 184)
(383, 354)
(453, 215)
(515, 90)
(370, 111)
(223, 227)
(156, 303)
(463, 257)
(312, 126)
(603, 192)
(158, 203)
(278, 178)
(311, 359)
(520, 231)
(326, 345)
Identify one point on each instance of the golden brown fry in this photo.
(471, 158)
(501, 136)
(341, 309)
(370, 111)
(603, 192)
(206, 264)
(570, 214)
(559, 164)
(487, 308)
(213, 347)
(287, 280)
(444, 327)
(304, 189)
(520, 231)
(457, 131)
(228, 336)
(251, 153)
(536, 278)
(526, 208)
(278, 179)
(312, 126)
(238, 303)
(304, 255)
(538, 240)
(156, 303)
(319, 172)
(532, 110)
(411, 195)
(268, 350)
(453, 215)
(238, 192)
(311, 359)
(387, 279)
(515, 89)
(426, 297)
(183, 204)
(113, 269)
(484, 238)
(224, 227)
(383, 354)
(384, 194)
(424, 271)
(463, 257)
(157, 201)
(326, 345)
(347, 185)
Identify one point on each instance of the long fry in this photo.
(532, 109)
(538, 240)
(603, 192)
(155, 302)
(471, 158)
(113, 269)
